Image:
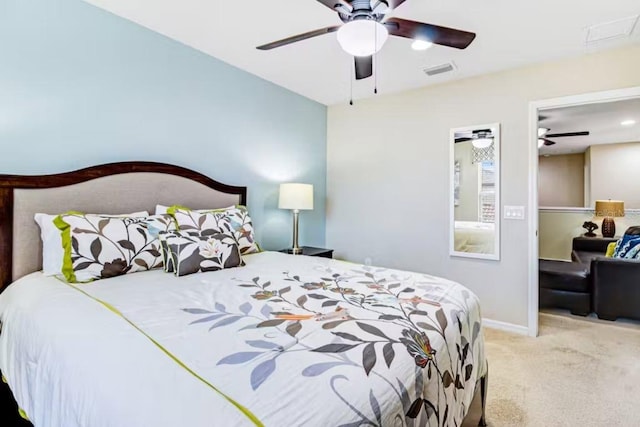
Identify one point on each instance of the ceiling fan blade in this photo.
(364, 67)
(548, 142)
(298, 38)
(463, 139)
(435, 34)
(560, 135)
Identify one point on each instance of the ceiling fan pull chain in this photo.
(375, 63)
(375, 87)
(351, 84)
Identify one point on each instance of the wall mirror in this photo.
(475, 192)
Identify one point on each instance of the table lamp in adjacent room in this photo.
(609, 209)
(296, 197)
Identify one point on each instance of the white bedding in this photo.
(476, 237)
(71, 361)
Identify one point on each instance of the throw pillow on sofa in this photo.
(628, 247)
(611, 249)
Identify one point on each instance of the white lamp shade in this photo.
(363, 37)
(482, 142)
(296, 196)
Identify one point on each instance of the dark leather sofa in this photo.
(565, 285)
(592, 282)
(616, 286)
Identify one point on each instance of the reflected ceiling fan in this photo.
(480, 138)
(544, 135)
(366, 29)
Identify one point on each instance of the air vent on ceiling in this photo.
(611, 30)
(440, 69)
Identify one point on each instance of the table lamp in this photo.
(608, 209)
(296, 197)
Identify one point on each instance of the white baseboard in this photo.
(504, 326)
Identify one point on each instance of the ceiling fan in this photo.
(544, 135)
(480, 138)
(366, 29)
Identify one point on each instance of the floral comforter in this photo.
(286, 341)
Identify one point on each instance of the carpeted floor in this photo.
(578, 372)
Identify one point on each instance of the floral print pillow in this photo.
(200, 253)
(167, 259)
(99, 248)
(235, 220)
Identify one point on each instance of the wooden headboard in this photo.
(110, 189)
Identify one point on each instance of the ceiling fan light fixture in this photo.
(482, 142)
(540, 143)
(363, 37)
(421, 45)
(542, 132)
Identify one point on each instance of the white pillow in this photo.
(52, 250)
(162, 209)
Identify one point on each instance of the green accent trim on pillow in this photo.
(21, 411)
(171, 210)
(65, 230)
(23, 414)
(180, 363)
(611, 248)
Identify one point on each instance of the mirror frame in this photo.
(497, 148)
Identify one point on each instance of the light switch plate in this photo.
(514, 212)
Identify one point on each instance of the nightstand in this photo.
(310, 251)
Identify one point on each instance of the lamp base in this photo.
(296, 251)
(608, 227)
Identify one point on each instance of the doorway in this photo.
(537, 109)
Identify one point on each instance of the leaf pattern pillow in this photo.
(167, 259)
(234, 220)
(98, 248)
(195, 253)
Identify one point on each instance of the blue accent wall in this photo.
(80, 86)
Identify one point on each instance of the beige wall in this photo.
(615, 173)
(561, 180)
(388, 171)
(558, 228)
(467, 210)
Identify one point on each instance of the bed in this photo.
(284, 340)
(476, 237)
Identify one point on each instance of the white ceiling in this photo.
(602, 120)
(509, 34)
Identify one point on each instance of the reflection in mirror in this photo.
(475, 186)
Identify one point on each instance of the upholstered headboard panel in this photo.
(110, 189)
